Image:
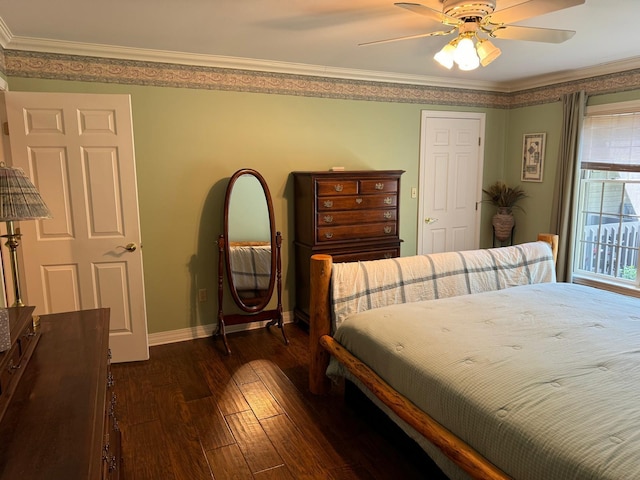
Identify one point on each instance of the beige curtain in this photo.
(567, 178)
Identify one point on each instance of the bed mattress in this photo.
(542, 380)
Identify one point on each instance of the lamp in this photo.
(19, 200)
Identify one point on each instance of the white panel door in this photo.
(450, 181)
(78, 150)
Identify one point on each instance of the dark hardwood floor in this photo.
(191, 412)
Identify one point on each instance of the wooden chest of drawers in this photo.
(351, 215)
(60, 422)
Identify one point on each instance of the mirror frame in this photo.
(272, 227)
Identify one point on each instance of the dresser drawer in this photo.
(356, 202)
(336, 187)
(356, 232)
(392, 252)
(378, 186)
(355, 217)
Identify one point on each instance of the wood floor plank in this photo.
(295, 449)
(135, 400)
(325, 442)
(260, 399)
(277, 473)
(224, 390)
(144, 450)
(186, 369)
(228, 463)
(183, 445)
(209, 423)
(253, 441)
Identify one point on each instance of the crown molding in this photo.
(5, 34)
(30, 44)
(46, 46)
(574, 75)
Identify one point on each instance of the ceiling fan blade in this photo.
(532, 34)
(529, 9)
(429, 12)
(420, 35)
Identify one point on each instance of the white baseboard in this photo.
(201, 331)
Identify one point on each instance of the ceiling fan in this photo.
(479, 20)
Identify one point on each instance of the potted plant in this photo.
(506, 199)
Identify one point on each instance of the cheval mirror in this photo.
(249, 251)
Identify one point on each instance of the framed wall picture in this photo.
(533, 156)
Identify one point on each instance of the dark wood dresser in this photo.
(351, 215)
(60, 421)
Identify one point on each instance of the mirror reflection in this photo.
(249, 240)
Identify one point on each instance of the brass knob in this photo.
(129, 247)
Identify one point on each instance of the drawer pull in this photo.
(14, 366)
(110, 381)
(379, 186)
(328, 235)
(338, 187)
(388, 201)
(328, 203)
(388, 215)
(328, 219)
(388, 255)
(358, 201)
(388, 229)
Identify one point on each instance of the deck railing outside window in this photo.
(611, 249)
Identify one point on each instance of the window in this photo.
(608, 217)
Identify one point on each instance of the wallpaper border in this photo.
(133, 72)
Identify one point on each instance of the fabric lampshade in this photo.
(19, 198)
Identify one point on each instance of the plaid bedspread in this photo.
(251, 267)
(360, 286)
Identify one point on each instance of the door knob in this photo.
(130, 247)
(430, 220)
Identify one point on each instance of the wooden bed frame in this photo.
(322, 345)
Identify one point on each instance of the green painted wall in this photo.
(189, 142)
(545, 118)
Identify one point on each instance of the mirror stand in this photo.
(275, 315)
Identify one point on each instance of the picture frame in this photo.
(533, 145)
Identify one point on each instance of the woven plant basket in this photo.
(503, 223)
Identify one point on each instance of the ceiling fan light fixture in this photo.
(487, 52)
(445, 56)
(465, 55)
(470, 64)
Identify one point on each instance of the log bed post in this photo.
(552, 239)
(319, 323)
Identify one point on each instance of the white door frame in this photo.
(423, 155)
